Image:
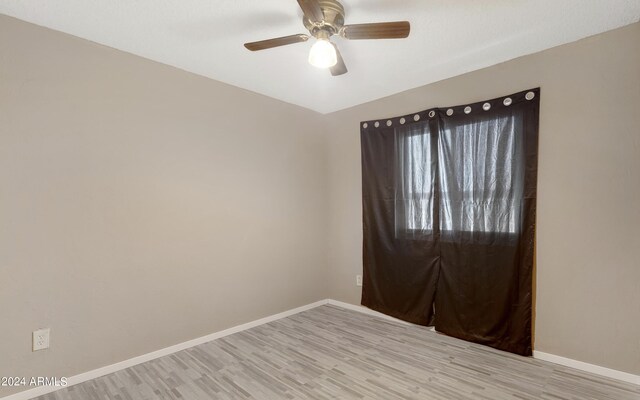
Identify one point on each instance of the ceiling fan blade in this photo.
(281, 41)
(381, 30)
(340, 68)
(311, 10)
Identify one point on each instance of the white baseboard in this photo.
(583, 366)
(96, 373)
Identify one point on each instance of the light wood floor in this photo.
(333, 353)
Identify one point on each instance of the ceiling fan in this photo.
(325, 18)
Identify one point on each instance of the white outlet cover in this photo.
(41, 339)
(358, 280)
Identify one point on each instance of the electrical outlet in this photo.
(41, 339)
(358, 280)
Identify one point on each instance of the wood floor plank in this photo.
(332, 353)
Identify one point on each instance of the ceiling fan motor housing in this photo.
(333, 19)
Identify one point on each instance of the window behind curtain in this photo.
(414, 191)
(480, 178)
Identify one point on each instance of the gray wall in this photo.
(142, 206)
(588, 238)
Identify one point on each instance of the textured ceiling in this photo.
(448, 38)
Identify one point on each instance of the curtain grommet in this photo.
(530, 96)
(486, 106)
(416, 117)
(450, 112)
(377, 124)
(365, 125)
(507, 102)
(467, 110)
(432, 114)
(389, 123)
(402, 121)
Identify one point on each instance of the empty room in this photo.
(320, 199)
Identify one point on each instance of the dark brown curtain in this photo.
(449, 199)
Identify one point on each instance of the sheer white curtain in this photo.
(481, 175)
(476, 168)
(415, 180)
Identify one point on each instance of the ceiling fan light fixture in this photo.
(325, 19)
(323, 54)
